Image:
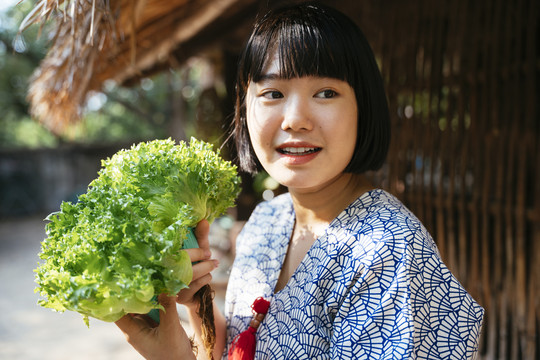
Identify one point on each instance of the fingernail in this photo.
(207, 254)
(216, 263)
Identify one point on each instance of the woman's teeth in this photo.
(298, 150)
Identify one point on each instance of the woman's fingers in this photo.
(185, 296)
(202, 264)
(201, 233)
(197, 255)
(129, 326)
(135, 329)
(167, 340)
(132, 324)
(203, 252)
(204, 267)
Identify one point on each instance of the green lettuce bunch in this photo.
(120, 244)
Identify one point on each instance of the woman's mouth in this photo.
(298, 151)
(298, 155)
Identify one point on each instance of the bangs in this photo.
(303, 46)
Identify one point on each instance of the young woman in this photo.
(348, 270)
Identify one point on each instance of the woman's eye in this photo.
(272, 94)
(326, 94)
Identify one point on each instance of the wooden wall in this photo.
(462, 81)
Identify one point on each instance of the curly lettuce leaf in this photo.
(120, 245)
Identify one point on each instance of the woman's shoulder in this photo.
(378, 209)
(379, 219)
(379, 201)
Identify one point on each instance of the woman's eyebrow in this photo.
(269, 77)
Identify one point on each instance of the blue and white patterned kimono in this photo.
(373, 286)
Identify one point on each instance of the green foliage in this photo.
(120, 245)
(18, 59)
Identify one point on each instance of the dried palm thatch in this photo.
(59, 85)
(99, 40)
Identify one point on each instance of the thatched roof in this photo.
(124, 40)
(121, 40)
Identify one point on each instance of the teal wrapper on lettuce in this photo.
(120, 244)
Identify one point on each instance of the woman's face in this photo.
(303, 130)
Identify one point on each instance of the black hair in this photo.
(314, 40)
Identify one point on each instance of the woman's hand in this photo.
(201, 270)
(166, 341)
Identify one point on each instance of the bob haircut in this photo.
(314, 40)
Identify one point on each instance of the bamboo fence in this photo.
(462, 82)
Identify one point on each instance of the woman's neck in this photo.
(316, 209)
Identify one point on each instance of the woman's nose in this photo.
(297, 116)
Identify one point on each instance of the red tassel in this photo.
(260, 306)
(243, 346)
